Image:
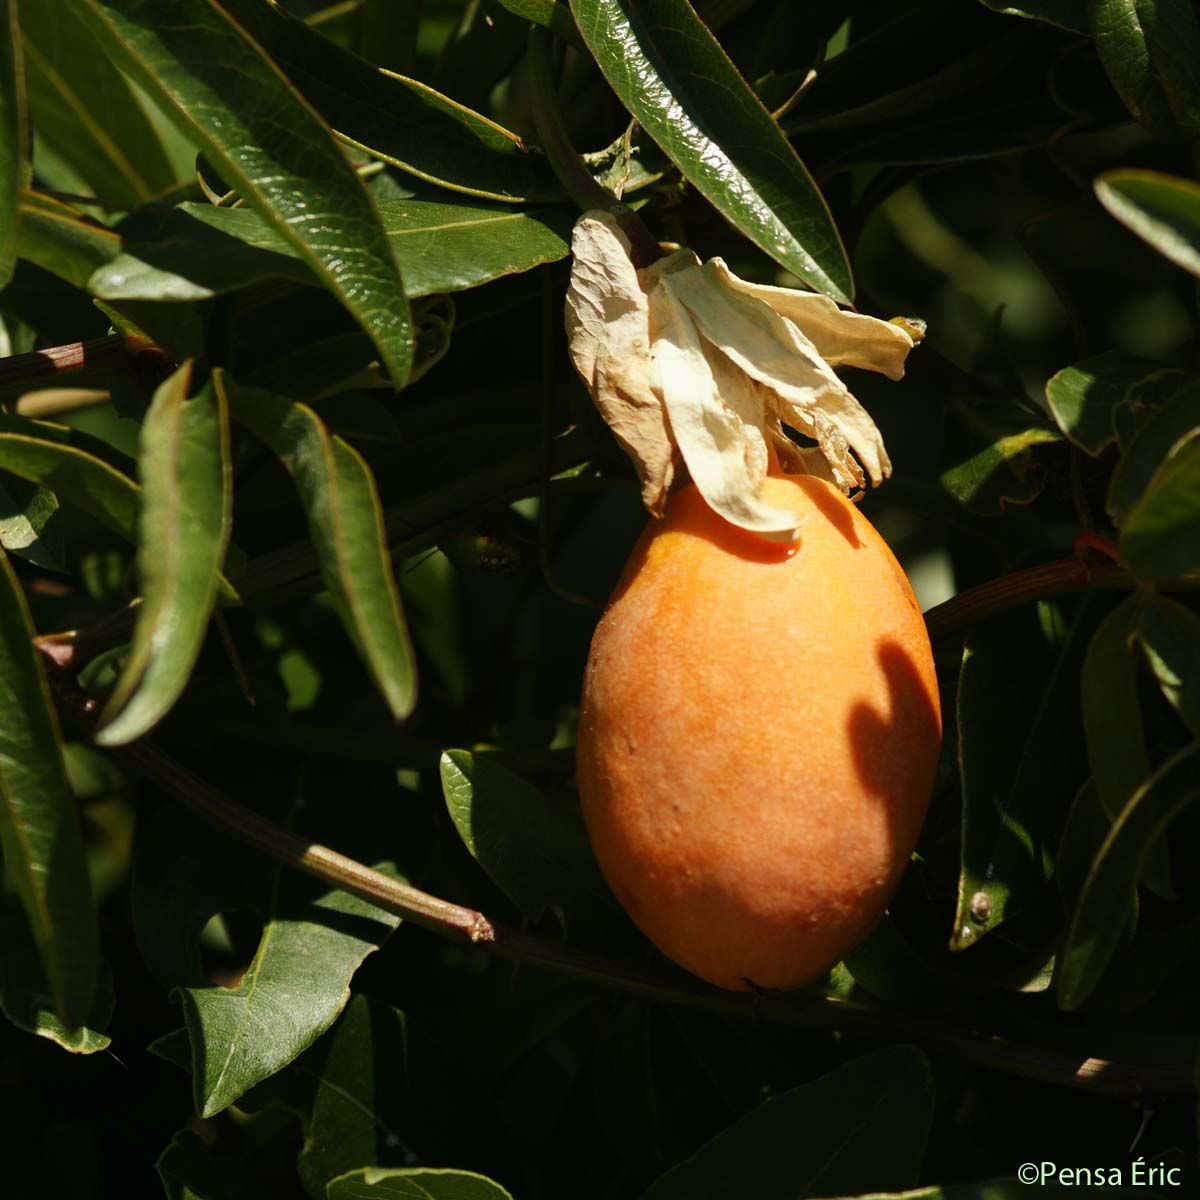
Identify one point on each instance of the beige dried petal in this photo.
(770, 349)
(717, 419)
(841, 338)
(608, 338)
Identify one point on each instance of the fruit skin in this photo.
(758, 737)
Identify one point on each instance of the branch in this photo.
(1133, 1081)
(99, 356)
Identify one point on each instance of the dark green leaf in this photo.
(1161, 535)
(414, 1183)
(232, 100)
(440, 248)
(340, 499)
(554, 15)
(673, 76)
(535, 849)
(84, 108)
(14, 139)
(189, 1170)
(860, 1128)
(43, 851)
(1151, 51)
(1083, 398)
(1066, 14)
(402, 121)
(1112, 723)
(296, 984)
(183, 532)
(1016, 695)
(61, 240)
(25, 996)
(362, 1110)
(43, 454)
(1162, 209)
(1098, 921)
(1156, 436)
(1013, 1189)
(1170, 637)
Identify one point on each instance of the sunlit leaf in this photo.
(402, 121)
(339, 496)
(534, 848)
(1169, 634)
(183, 531)
(1083, 398)
(231, 99)
(44, 859)
(61, 240)
(86, 110)
(1161, 535)
(1151, 51)
(673, 76)
(1066, 14)
(14, 141)
(414, 1183)
(204, 251)
(1162, 209)
(297, 982)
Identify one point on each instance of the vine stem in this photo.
(572, 172)
(1131, 1081)
(98, 356)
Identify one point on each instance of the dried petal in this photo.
(608, 336)
(717, 418)
(842, 339)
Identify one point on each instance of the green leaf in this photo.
(14, 138)
(205, 251)
(399, 120)
(1161, 209)
(345, 522)
(1016, 697)
(314, 938)
(1066, 14)
(1083, 398)
(414, 1183)
(183, 532)
(231, 99)
(1169, 635)
(43, 454)
(550, 13)
(1155, 438)
(1000, 472)
(1151, 51)
(61, 240)
(860, 1128)
(673, 76)
(1112, 722)
(1161, 535)
(44, 860)
(26, 528)
(535, 849)
(84, 108)
(1098, 921)
(1013, 1189)
(363, 1108)
(25, 996)
(189, 1170)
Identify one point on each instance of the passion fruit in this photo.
(758, 737)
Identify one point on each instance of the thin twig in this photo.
(99, 356)
(1133, 1081)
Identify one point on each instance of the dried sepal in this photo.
(724, 365)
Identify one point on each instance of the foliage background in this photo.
(252, 291)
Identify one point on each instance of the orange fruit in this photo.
(758, 737)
